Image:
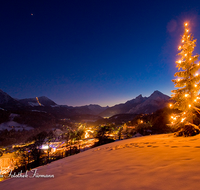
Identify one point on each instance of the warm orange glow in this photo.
(189, 105)
(196, 74)
(195, 85)
(179, 47)
(190, 59)
(170, 105)
(178, 79)
(182, 40)
(86, 135)
(186, 24)
(186, 54)
(179, 61)
(182, 119)
(186, 95)
(187, 30)
(38, 101)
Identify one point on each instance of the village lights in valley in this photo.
(182, 119)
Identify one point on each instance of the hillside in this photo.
(157, 162)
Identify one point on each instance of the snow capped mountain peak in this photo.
(157, 95)
(140, 96)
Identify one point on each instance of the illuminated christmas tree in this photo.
(187, 82)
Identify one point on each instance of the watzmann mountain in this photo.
(154, 102)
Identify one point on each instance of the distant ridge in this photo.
(140, 104)
(155, 101)
(43, 100)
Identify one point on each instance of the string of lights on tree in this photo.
(186, 98)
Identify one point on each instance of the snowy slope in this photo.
(9, 125)
(157, 162)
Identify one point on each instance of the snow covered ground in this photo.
(157, 162)
(9, 125)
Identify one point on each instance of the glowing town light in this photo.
(195, 100)
(195, 85)
(196, 74)
(178, 79)
(170, 105)
(185, 54)
(189, 105)
(187, 30)
(179, 47)
(182, 40)
(198, 64)
(186, 24)
(184, 113)
(186, 95)
(45, 146)
(172, 117)
(179, 61)
(182, 119)
(190, 59)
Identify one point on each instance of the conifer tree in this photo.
(187, 83)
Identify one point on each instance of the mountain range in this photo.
(138, 105)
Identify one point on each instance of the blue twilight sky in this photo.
(105, 52)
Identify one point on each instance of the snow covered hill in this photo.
(157, 162)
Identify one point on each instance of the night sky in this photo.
(79, 52)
